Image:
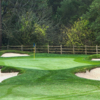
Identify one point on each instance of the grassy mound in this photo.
(93, 56)
(11, 69)
(84, 68)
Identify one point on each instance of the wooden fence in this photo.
(56, 49)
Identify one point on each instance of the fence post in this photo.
(61, 48)
(35, 48)
(21, 47)
(73, 49)
(86, 49)
(96, 49)
(48, 48)
(7, 47)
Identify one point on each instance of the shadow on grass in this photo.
(37, 77)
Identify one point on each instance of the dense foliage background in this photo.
(54, 22)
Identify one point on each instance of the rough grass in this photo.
(93, 56)
(50, 77)
(5, 69)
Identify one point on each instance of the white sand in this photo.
(13, 55)
(4, 76)
(95, 59)
(94, 74)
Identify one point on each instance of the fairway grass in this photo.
(49, 77)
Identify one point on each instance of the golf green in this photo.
(49, 78)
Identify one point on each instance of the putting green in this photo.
(48, 78)
(43, 63)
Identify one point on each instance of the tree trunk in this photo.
(0, 27)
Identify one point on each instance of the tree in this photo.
(21, 16)
(78, 34)
(0, 27)
(30, 31)
(25, 21)
(93, 15)
(70, 10)
(54, 4)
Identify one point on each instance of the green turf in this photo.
(43, 63)
(49, 77)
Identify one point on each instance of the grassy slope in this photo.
(49, 77)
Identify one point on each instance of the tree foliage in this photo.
(22, 20)
(93, 15)
(78, 34)
(42, 21)
(71, 10)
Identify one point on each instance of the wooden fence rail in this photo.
(56, 49)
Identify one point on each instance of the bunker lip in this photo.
(93, 74)
(13, 55)
(7, 75)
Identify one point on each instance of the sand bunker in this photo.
(94, 74)
(95, 59)
(4, 76)
(13, 55)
